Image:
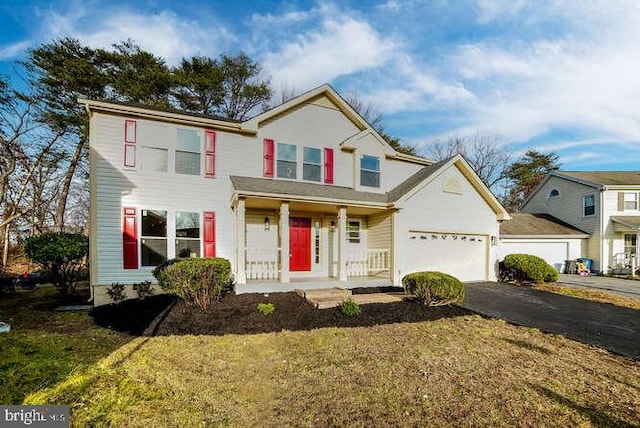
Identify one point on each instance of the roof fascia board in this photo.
(577, 236)
(107, 107)
(577, 180)
(410, 158)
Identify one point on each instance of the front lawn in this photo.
(451, 369)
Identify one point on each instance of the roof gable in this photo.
(428, 173)
(603, 178)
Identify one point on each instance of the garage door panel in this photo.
(554, 253)
(461, 255)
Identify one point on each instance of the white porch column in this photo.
(395, 252)
(634, 257)
(241, 265)
(342, 243)
(284, 241)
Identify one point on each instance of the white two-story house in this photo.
(605, 205)
(305, 195)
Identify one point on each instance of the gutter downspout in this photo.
(602, 233)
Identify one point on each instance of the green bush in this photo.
(116, 292)
(434, 288)
(198, 281)
(532, 268)
(62, 255)
(350, 308)
(266, 308)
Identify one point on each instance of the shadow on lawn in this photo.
(237, 314)
(597, 417)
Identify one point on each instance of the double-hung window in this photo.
(630, 201)
(187, 234)
(369, 171)
(311, 164)
(153, 237)
(188, 152)
(588, 205)
(286, 164)
(154, 159)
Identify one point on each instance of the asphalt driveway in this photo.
(604, 325)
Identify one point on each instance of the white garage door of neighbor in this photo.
(554, 253)
(461, 255)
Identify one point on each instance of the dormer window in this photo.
(370, 171)
(554, 193)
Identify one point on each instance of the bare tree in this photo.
(486, 154)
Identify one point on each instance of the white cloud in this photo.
(13, 50)
(164, 33)
(341, 46)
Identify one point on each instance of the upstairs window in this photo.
(630, 201)
(286, 164)
(188, 152)
(588, 205)
(554, 193)
(153, 248)
(311, 164)
(369, 171)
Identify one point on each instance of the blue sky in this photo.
(560, 76)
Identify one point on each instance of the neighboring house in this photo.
(603, 204)
(544, 236)
(305, 195)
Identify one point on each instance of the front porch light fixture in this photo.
(333, 225)
(267, 223)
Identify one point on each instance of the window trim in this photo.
(176, 238)
(584, 206)
(142, 236)
(624, 201)
(359, 231)
(378, 171)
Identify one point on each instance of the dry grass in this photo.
(596, 296)
(463, 371)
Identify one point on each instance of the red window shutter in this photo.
(210, 154)
(130, 143)
(130, 239)
(328, 166)
(209, 244)
(268, 158)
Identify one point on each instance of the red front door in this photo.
(300, 244)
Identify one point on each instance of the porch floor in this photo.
(273, 286)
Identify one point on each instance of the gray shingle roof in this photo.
(286, 189)
(525, 224)
(604, 178)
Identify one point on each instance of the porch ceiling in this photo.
(626, 222)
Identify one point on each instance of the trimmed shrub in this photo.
(266, 308)
(531, 268)
(350, 308)
(198, 281)
(62, 255)
(434, 288)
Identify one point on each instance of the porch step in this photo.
(328, 301)
(322, 293)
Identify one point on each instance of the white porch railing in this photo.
(368, 262)
(624, 264)
(262, 263)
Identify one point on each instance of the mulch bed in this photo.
(132, 316)
(237, 314)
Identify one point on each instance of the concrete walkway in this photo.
(607, 326)
(619, 286)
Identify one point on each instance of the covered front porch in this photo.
(298, 240)
(624, 254)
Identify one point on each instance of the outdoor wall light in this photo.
(333, 225)
(267, 223)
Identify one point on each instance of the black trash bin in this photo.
(570, 266)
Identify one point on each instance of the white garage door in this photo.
(554, 253)
(461, 255)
